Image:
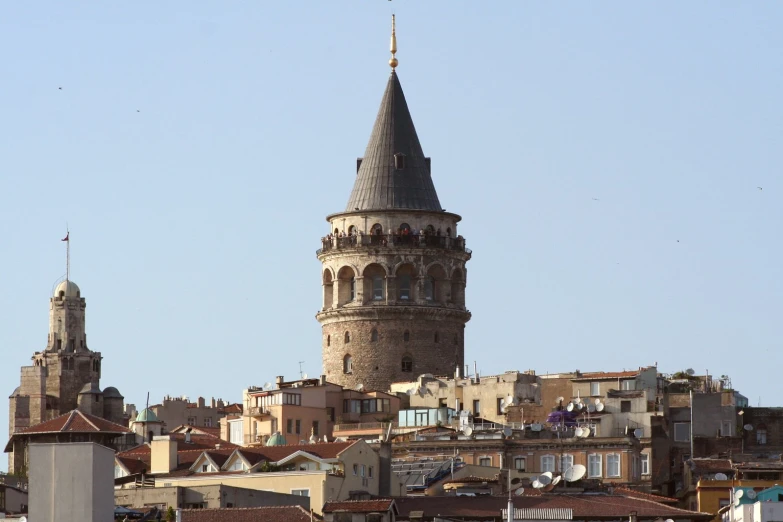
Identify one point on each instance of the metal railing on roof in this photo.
(394, 240)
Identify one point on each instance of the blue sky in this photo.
(195, 149)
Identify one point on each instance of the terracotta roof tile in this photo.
(472, 480)
(257, 514)
(75, 421)
(710, 465)
(358, 506)
(646, 496)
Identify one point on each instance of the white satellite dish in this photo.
(556, 481)
(736, 501)
(751, 494)
(577, 472)
(304, 376)
(545, 478)
(597, 402)
(578, 432)
(267, 385)
(591, 408)
(537, 484)
(411, 391)
(359, 387)
(468, 431)
(570, 406)
(721, 476)
(668, 520)
(536, 427)
(739, 494)
(520, 492)
(599, 406)
(510, 401)
(638, 433)
(508, 431)
(559, 400)
(579, 406)
(585, 432)
(748, 427)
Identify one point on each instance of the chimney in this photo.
(323, 380)
(279, 380)
(633, 517)
(163, 452)
(217, 446)
(213, 404)
(201, 402)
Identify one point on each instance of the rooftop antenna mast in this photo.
(301, 374)
(67, 240)
(393, 47)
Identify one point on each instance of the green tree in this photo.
(171, 516)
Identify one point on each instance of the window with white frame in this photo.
(595, 388)
(547, 463)
(207, 422)
(520, 463)
(645, 463)
(235, 432)
(566, 461)
(682, 431)
(118, 473)
(237, 465)
(594, 465)
(613, 465)
(301, 492)
(485, 461)
(629, 384)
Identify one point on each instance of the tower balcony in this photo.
(456, 244)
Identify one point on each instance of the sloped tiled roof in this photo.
(256, 514)
(233, 408)
(379, 185)
(647, 496)
(710, 465)
(75, 421)
(359, 506)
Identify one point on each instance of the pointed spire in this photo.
(394, 172)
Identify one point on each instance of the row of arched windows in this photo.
(406, 336)
(406, 364)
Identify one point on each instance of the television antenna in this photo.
(301, 375)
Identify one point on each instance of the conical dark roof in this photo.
(383, 181)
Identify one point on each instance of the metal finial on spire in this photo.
(393, 48)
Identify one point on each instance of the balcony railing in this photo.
(362, 426)
(394, 240)
(257, 411)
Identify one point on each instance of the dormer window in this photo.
(399, 161)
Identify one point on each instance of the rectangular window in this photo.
(298, 426)
(594, 466)
(369, 472)
(476, 407)
(235, 427)
(548, 463)
(625, 406)
(500, 402)
(485, 461)
(207, 422)
(362, 470)
(377, 288)
(682, 431)
(330, 414)
(629, 384)
(315, 428)
(191, 421)
(613, 465)
(645, 463)
(566, 461)
(301, 492)
(725, 430)
(595, 388)
(519, 463)
(404, 284)
(289, 426)
(353, 289)
(355, 469)
(204, 468)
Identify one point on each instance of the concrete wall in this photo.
(210, 496)
(175, 412)
(16, 501)
(71, 482)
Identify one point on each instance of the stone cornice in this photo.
(391, 311)
(337, 253)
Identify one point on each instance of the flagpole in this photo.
(68, 255)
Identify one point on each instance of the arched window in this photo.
(406, 336)
(437, 337)
(448, 231)
(429, 288)
(430, 230)
(62, 294)
(399, 161)
(374, 335)
(336, 232)
(405, 226)
(328, 340)
(377, 229)
(352, 230)
(347, 337)
(377, 288)
(347, 364)
(404, 287)
(407, 364)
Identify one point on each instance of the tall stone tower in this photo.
(393, 270)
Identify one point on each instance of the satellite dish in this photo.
(585, 433)
(507, 431)
(669, 520)
(468, 431)
(591, 408)
(736, 501)
(570, 406)
(359, 387)
(579, 405)
(410, 391)
(304, 376)
(638, 433)
(548, 488)
(599, 406)
(739, 494)
(326, 439)
(690, 371)
(515, 480)
(537, 484)
(545, 478)
(578, 399)
(578, 432)
(748, 427)
(721, 476)
(520, 492)
(559, 400)
(577, 472)
(751, 494)
(556, 481)
(536, 427)
(267, 385)
(597, 402)
(509, 401)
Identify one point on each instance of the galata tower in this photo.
(393, 264)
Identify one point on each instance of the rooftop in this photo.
(255, 514)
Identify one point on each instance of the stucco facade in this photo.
(212, 496)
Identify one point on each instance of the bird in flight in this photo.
(60, 88)
(596, 199)
(759, 188)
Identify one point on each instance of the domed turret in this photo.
(89, 399)
(67, 289)
(276, 440)
(147, 415)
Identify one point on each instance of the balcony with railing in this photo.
(331, 243)
(258, 411)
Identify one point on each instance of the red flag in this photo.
(66, 237)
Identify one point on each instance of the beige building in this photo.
(71, 482)
(213, 496)
(179, 411)
(310, 409)
(321, 471)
